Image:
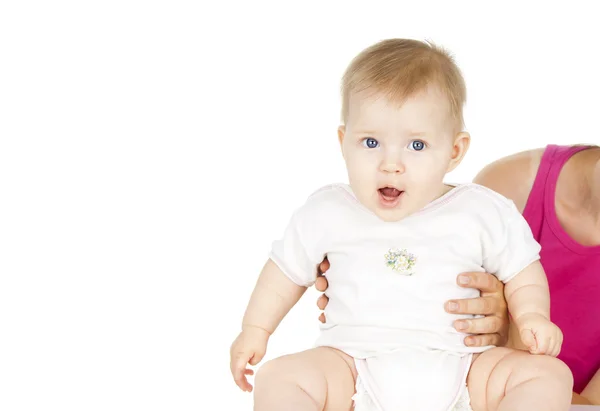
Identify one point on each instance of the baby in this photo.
(395, 237)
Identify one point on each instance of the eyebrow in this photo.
(418, 134)
(421, 134)
(365, 131)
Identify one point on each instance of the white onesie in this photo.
(388, 283)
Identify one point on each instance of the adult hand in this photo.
(491, 329)
(321, 285)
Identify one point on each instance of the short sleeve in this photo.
(296, 252)
(510, 246)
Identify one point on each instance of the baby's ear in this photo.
(462, 141)
(341, 134)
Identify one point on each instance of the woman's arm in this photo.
(512, 176)
(579, 400)
(592, 391)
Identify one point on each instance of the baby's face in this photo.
(397, 156)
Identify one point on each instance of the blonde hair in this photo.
(399, 68)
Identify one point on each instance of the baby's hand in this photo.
(249, 347)
(539, 334)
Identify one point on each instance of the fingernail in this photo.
(463, 279)
(453, 306)
(462, 325)
(469, 341)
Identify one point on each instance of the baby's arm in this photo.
(528, 300)
(527, 292)
(273, 297)
(290, 269)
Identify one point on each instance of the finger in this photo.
(486, 325)
(483, 340)
(324, 266)
(560, 338)
(321, 284)
(543, 345)
(238, 370)
(556, 344)
(485, 282)
(249, 371)
(322, 302)
(559, 344)
(243, 383)
(322, 318)
(557, 350)
(476, 306)
(256, 358)
(553, 350)
(529, 340)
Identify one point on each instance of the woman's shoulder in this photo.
(512, 176)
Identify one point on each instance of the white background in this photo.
(151, 151)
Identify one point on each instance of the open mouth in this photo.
(389, 196)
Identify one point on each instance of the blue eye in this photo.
(417, 145)
(370, 143)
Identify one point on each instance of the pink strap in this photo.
(553, 160)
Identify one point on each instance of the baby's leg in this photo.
(504, 379)
(319, 379)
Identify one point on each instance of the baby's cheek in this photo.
(430, 169)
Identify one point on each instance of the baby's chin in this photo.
(402, 210)
(386, 211)
(390, 216)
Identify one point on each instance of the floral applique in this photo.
(400, 261)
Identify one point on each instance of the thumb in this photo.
(257, 357)
(528, 339)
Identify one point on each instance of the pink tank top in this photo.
(573, 271)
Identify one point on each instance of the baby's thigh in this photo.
(325, 374)
(481, 383)
(498, 370)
